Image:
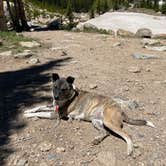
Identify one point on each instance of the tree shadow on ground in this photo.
(19, 89)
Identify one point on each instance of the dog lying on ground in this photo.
(102, 111)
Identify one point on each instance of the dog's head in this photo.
(63, 89)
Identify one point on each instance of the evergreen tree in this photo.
(105, 6)
(163, 9)
(98, 6)
(156, 5)
(92, 10)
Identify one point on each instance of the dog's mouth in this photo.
(62, 102)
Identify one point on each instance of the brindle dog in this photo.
(102, 111)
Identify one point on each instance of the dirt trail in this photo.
(92, 60)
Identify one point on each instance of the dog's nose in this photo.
(56, 97)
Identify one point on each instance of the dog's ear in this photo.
(70, 79)
(55, 76)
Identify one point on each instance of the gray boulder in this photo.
(144, 33)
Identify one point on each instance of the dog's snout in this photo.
(56, 97)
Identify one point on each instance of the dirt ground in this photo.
(94, 61)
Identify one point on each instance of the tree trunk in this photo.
(16, 17)
(14, 24)
(22, 16)
(3, 25)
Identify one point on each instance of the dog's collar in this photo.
(57, 107)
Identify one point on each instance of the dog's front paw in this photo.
(77, 119)
(70, 119)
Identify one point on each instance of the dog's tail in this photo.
(137, 122)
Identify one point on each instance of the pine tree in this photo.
(156, 5)
(105, 6)
(163, 9)
(98, 6)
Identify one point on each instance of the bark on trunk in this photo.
(3, 24)
(22, 16)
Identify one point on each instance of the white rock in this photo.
(116, 44)
(143, 56)
(60, 149)
(6, 53)
(45, 146)
(34, 61)
(92, 86)
(134, 69)
(24, 54)
(159, 48)
(150, 42)
(30, 44)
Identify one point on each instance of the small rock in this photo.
(60, 149)
(159, 48)
(22, 162)
(116, 44)
(125, 88)
(30, 44)
(144, 33)
(61, 163)
(22, 55)
(34, 61)
(52, 156)
(124, 33)
(137, 153)
(111, 32)
(133, 104)
(57, 48)
(45, 146)
(92, 86)
(150, 42)
(148, 69)
(6, 53)
(143, 56)
(64, 53)
(80, 27)
(134, 69)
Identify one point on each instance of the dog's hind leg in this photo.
(98, 124)
(118, 130)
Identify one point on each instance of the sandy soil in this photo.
(92, 60)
